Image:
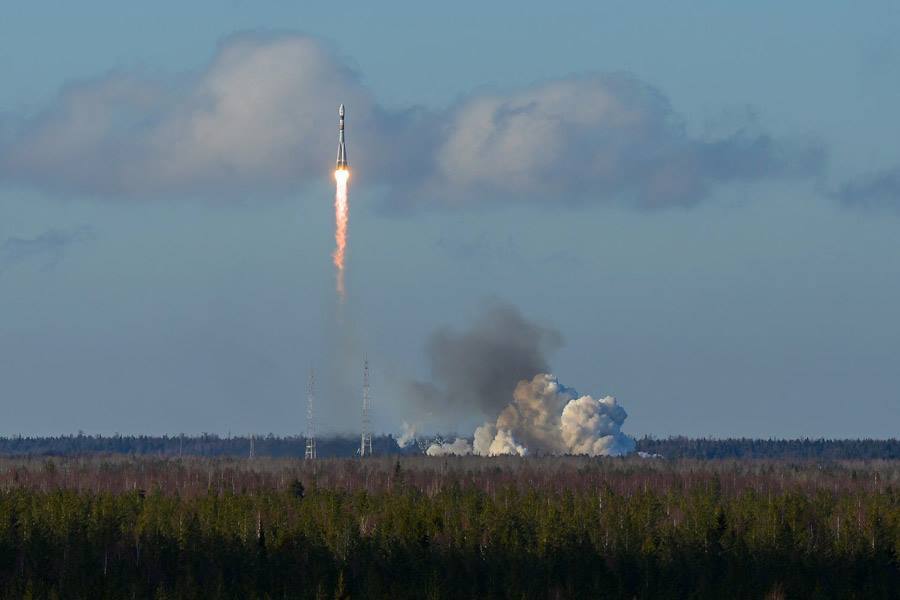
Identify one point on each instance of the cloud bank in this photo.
(260, 118)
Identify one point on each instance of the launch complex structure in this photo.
(341, 206)
(365, 441)
(310, 453)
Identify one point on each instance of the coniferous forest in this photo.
(211, 445)
(117, 526)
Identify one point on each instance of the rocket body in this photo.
(341, 204)
(342, 163)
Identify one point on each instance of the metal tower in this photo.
(365, 444)
(252, 446)
(310, 427)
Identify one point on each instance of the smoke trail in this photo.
(341, 215)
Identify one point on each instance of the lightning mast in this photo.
(365, 445)
(310, 427)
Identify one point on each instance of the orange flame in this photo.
(341, 215)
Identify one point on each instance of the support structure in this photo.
(365, 443)
(310, 425)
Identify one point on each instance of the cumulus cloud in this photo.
(260, 118)
(474, 371)
(47, 248)
(878, 191)
(598, 138)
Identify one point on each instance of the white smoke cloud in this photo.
(459, 447)
(484, 437)
(408, 435)
(504, 443)
(258, 116)
(591, 426)
(546, 417)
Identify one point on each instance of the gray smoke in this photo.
(475, 371)
(497, 368)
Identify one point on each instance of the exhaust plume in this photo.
(546, 417)
(408, 435)
(459, 447)
(341, 216)
(474, 372)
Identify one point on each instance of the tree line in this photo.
(346, 446)
(804, 448)
(447, 528)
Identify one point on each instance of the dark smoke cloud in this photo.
(475, 371)
(47, 248)
(879, 191)
(260, 118)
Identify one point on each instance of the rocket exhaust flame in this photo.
(341, 215)
(341, 204)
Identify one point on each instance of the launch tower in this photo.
(365, 443)
(310, 425)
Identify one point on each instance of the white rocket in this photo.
(342, 163)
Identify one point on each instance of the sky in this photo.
(702, 200)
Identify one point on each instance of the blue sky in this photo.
(712, 227)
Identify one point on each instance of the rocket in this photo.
(342, 163)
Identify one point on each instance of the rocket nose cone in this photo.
(341, 110)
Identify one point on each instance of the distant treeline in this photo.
(453, 527)
(199, 445)
(210, 445)
(816, 449)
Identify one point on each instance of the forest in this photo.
(123, 526)
(347, 446)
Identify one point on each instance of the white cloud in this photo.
(598, 138)
(260, 118)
